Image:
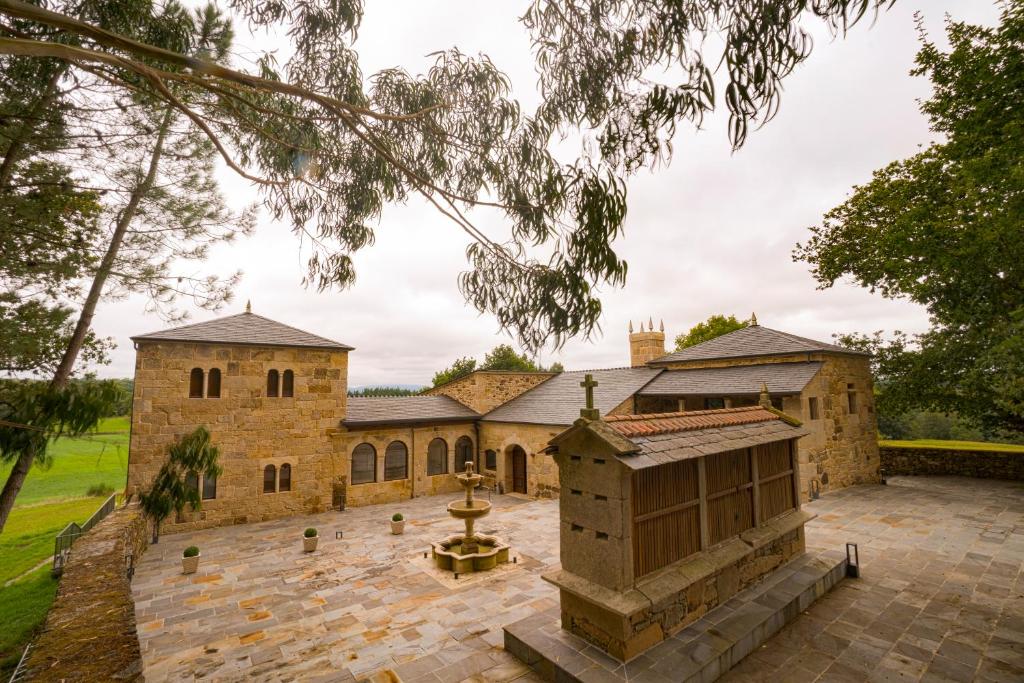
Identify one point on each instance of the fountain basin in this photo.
(460, 509)
(491, 551)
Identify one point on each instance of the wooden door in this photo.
(518, 470)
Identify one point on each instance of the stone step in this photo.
(701, 652)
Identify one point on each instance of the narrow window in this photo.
(463, 453)
(396, 461)
(437, 457)
(213, 383)
(288, 384)
(269, 479)
(272, 382)
(851, 398)
(812, 408)
(364, 464)
(285, 478)
(209, 487)
(491, 459)
(714, 403)
(192, 482)
(195, 383)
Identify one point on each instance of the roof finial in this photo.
(753, 319)
(631, 326)
(650, 324)
(248, 306)
(661, 325)
(766, 398)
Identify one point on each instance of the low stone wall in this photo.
(935, 461)
(89, 634)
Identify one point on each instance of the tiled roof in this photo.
(557, 401)
(781, 378)
(363, 412)
(752, 341)
(664, 423)
(244, 328)
(668, 437)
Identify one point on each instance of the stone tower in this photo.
(646, 344)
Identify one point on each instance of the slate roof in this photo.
(244, 328)
(670, 437)
(752, 341)
(557, 401)
(781, 378)
(366, 412)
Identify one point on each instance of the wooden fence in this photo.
(683, 507)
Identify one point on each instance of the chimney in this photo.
(646, 344)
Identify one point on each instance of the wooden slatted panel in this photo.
(775, 471)
(666, 515)
(730, 495)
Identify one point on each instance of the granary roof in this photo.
(754, 340)
(557, 401)
(668, 437)
(244, 328)
(781, 378)
(370, 412)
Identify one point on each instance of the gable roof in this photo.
(557, 401)
(369, 412)
(781, 378)
(244, 328)
(754, 340)
(670, 437)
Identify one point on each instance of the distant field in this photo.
(22, 609)
(955, 445)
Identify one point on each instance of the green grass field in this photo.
(955, 445)
(51, 498)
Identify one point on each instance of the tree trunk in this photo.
(18, 141)
(63, 373)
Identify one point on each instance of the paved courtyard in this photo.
(941, 596)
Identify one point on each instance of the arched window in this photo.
(195, 383)
(437, 457)
(288, 384)
(364, 464)
(213, 383)
(284, 481)
(463, 453)
(269, 479)
(272, 382)
(396, 461)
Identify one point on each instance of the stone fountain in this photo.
(469, 552)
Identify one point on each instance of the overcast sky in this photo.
(711, 233)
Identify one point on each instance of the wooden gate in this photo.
(518, 470)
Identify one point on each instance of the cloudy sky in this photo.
(711, 233)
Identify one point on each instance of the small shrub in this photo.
(97, 490)
(190, 551)
(397, 517)
(310, 532)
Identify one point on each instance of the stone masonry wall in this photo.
(541, 471)
(89, 634)
(250, 429)
(417, 441)
(485, 390)
(934, 461)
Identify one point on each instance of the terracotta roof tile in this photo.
(671, 423)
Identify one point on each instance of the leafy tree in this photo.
(190, 457)
(943, 229)
(460, 368)
(715, 326)
(504, 357)
(329, 146)
(34, 413)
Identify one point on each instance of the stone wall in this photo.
(898, 460)
(416, 440)
(89, 634)
(485, 390)
(250, 429)
(541, 472)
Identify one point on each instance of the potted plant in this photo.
(190, 560)
(397, 523)
(309, 540)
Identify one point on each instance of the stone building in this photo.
(275, 401)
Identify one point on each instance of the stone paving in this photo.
(941, 596)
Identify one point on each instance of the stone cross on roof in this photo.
(590, 412)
